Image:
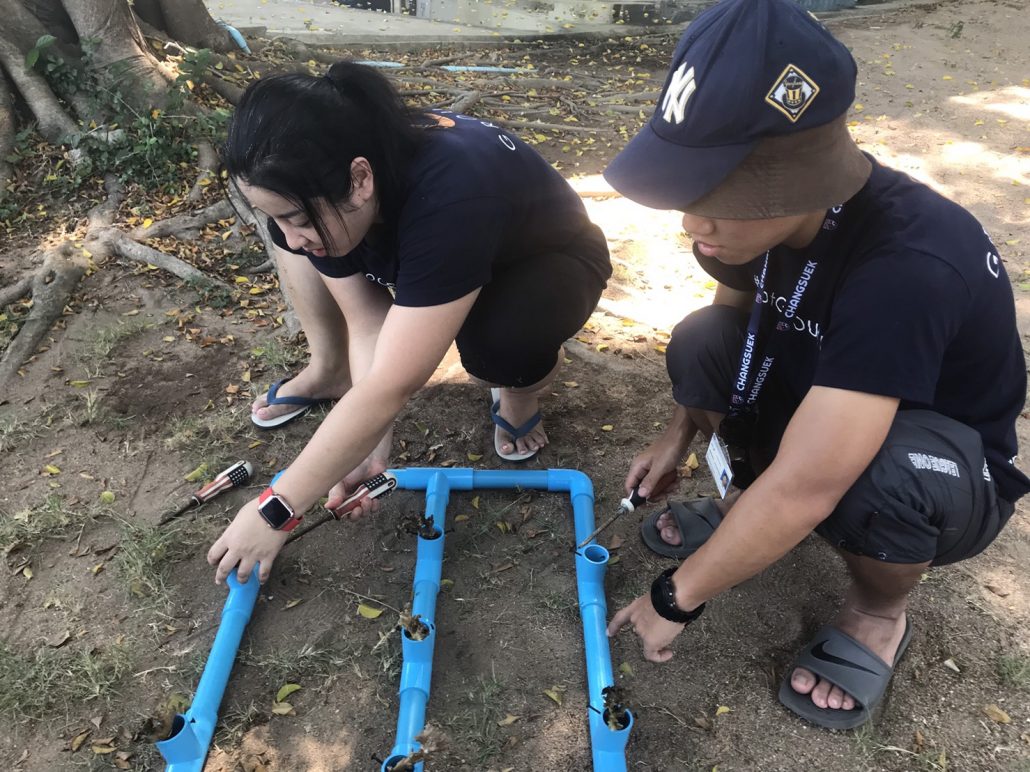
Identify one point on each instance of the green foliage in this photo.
(151, 147)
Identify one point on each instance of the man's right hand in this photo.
(657, 461)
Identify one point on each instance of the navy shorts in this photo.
(926, 496)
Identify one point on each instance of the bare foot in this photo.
(312, 381)
(517, 408)
(881, 634)
(670, 532)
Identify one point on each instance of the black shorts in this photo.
(926, 496)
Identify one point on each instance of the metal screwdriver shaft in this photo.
(628, 504)
(235, 476)
(372, 488)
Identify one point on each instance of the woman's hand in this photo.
(248, 540)
(370, 467)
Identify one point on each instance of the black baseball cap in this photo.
(751, 119)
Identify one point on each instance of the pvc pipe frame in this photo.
(187, 747)
(608, 746)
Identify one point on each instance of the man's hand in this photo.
(247, 541)
(656, 632)
(652, 464)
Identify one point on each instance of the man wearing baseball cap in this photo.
(859, 367)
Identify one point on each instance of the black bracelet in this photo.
(663, 598)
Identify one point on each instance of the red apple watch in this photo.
(277, 513)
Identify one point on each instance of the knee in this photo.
(705, 339)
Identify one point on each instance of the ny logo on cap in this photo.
(792, 92)
(682, 85)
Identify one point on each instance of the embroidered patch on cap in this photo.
(792, 92)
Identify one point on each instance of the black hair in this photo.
(297, 134)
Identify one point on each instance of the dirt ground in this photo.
(106, 620)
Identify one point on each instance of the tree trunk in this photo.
(121, 55)
(188, 21)
(7, 131)
(54, 123)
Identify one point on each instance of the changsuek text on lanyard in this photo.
(746, 390)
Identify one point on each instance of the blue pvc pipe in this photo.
(186, 749)
(608, 746)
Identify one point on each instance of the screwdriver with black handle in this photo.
(235, 476)
(629, 504)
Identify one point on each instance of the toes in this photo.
(802, 681)
(848, 703)
(835, 699)
(671, 536)
(821, 693)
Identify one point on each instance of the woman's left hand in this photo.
(247, 541)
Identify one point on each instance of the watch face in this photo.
(275, 512)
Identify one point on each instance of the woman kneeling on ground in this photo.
(398, 233)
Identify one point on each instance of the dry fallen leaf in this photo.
(721, 709)
(79, 739)
(508, 720)
(555, 693)
(995, 713)
(282, 708)
(950, 664)
(294, 602)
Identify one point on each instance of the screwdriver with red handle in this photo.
(235, 476)
(370, 489)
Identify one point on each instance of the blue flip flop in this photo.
(515, 432)
(304, 404)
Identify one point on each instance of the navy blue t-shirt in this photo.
(908, 298)
(479, 200)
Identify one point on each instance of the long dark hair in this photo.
(296, 135)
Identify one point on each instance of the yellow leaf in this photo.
(508, 720)
(285, 691)
(107, 497)
(97, 569)
(555, 693)
(27, 572)
(607, 428)
(503, 526)
(256, 291)
(570, 384)
(660, 349)
(475, 502)
(79, 739)
(721, 709)
(255, 444)
(602, 346)
(196, 474)
(461, 518)
(282, 708)
(291, 604)
(995, 713)
(446, 583)
(168, 339)
(242, 280)
(147, 222)
(51, 470)
(369, 612)
(946, 77)
(101, 750)
(692, 462)
(79, 384)
(859, 107)
(626, 669)
(474, 456)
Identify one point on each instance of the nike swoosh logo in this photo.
(820, 653)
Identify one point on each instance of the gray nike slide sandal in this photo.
(844, 662)
(696, 520)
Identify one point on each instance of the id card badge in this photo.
(718, 458)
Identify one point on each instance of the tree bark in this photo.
(7, 131)
(188, 21)
(121, 55)
(54, 122)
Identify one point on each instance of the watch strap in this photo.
(663, 598)
(292, 521)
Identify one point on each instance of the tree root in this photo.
(207, 163)
(185, 226)
(16, 291)
(465, 101)
(126, 247)
(52, 286)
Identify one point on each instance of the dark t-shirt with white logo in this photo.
(908, 298)
(479, 200)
